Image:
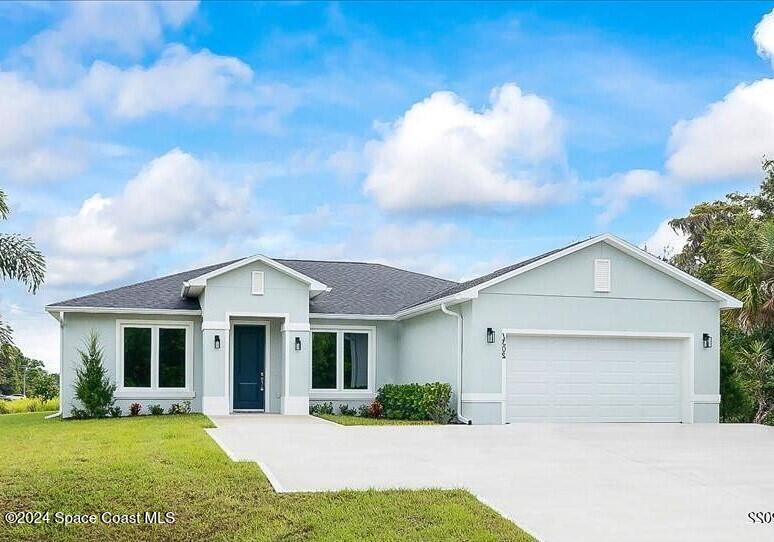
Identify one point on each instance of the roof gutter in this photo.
(458, 316)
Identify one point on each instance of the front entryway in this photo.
(249, 367)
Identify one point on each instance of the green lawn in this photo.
(169, 464)
(359, 420)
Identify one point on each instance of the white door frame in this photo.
(686, 370)
(267, 364)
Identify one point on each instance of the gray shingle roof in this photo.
(356, 288)
(161, 293)
(365, 288)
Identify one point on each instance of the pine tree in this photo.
(92, 384)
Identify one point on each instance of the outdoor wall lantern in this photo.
(217, 342)
(298, 344)
(490, 335)
(707, 340)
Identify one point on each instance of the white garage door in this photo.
(593, 379)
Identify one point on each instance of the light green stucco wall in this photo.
(77, 328)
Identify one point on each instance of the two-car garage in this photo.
(606, 377)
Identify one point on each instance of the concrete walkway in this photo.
(632, 482)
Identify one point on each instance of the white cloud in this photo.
(416, 238)
(173, 197)
(620, 188)
(442, 153)
(64, 271)
(728, 140)
(29, 113)
(764, 36)
(124, 28)
(30, 117)
(665, 241)
(178, 80)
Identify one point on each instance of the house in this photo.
(596, 331)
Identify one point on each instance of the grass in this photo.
(29, 404)
(361, 420)
(169, 464)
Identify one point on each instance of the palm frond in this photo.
(4, 209)
(20, 260)
(6, 334)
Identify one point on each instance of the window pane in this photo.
(171, 358)
(137, 357)
(355, 361)
(324, 360)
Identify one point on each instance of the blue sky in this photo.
(448, 138)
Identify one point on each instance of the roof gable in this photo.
(195, 285)
(471, 288)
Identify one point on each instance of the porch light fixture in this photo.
(707, 340)
(490, 335)
(217, 342)
(298, 344)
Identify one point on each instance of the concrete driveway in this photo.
(650, 482)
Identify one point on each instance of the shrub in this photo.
(115, 411)
(370, 410)
(156, 410)
(321, 408)
(436, 402)
(29, 404)
(344, 410)
(134, 409)
(402, 401)
(180, 408)
(375, 409)
(92, 385)
(416, 401)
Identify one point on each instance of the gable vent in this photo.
(601, 275)
(257, 283)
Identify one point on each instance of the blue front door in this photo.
(249, 367)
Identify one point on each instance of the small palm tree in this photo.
(757, 369)
(747, 272)
(19, 260)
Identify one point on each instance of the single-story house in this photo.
(596, 331)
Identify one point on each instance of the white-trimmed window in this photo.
(154, 359)
(343, 361)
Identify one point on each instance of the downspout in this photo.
(458, 316)
(61, 366)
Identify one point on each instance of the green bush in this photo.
(321, 408)
(416, 401)
(156, 410)
(29, 404)
(180, 408)
(345, 410)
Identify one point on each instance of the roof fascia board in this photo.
(330, 316)
(122, 310)
(201, 281)
(435, 304)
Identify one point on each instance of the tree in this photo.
(19, 260)
(45, 387)
(731, 245)
(758, 369)
(92, 384)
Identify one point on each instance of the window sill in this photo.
(154, 394)
(341, 394)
